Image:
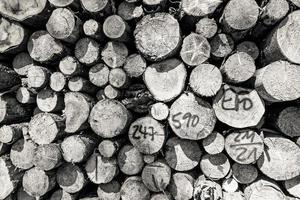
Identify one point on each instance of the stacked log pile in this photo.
(150, 99)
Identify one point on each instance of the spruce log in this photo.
(207, 189)
(21, 63)
(109, 118)
(38, 182)
(244, 146)
(9, 78)
(87, 51)
(274, 11)
(279, 81)
(239, 67)
(244, 174)
(159, 111)
(181, 186)
(238, 107)
(195, 49)
(97, 8)
(165, 80)
(135, 65)
(62, 195)
(280, 159)
(230, 185)
(153, 40)
(130, 11)
(64, 25)
(115, 28)
(108, 148)
(207, 27)
(249, 48)
(134, 189)
(93, 29)
(182, 155)
(100, 169)
(78, 148)
(98, 74)
(38, 77)
(282, 42)
(111, 92)
(221, 45)
(191, 117)
(156, 176)
(25, 95)
(109, 191)
(214, 143)
(47, 157)
(45, 128)
(57, 81)
(114, 54)
(130, 160)
(71, 178)
(42, 47)
(77, 110)
(79, 84)
(206, 80)
(200, 8)
(11, 133)
(147, 135)
(293, 186)
(118, 78)
(70, 66)
(49, 101)
(9, 178)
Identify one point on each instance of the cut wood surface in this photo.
(134, 189)
(244, 174)
(114, 54)
(79, 84)
(115, 28)
(25, 95)
(109, 191)
(214, 143)
(161, 196)
(159, 111)
(221, 45)
(206, 27)
(150, 158)
(47, 157)
(198, 8)
(21, 63)
(130, 11)
(249, 48)
(48, 100)
(97, 8)
(62, 195)
(93, 29)
(274, 11)
(293, 186)
(98, 74)
(111, 92)
(230, 185)
(135, 65)
(165, 80)
(181, 186)
(204, 188)
(57, 81)
(108, 148)
(11, 133)
(118, 78)
(87, 51)
(70, 66)
(63, 3)
(38, 76)
(191, 117)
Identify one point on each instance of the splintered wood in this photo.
(149, 100)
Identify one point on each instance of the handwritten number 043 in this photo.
(191, 120)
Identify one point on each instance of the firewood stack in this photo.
(150, 99)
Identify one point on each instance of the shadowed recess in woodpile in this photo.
(149, 99)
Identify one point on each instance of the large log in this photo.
(181, 186)
(200, 8)
(244, 174)
(134, 189)
(47, 157)
(97, 8)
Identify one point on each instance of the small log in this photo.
(42, 47)
(9, 178)
(13, 36)
(281, 44)
(109, 191)
(293, 186)
(79, 84)
(233, 195)
(239, 67)
(22, 153)
(78, 148)
(244, 174)
(109, 118)
(98, 74)
(149, 158)
(118, 78)
(161, 196)
(64, 3)
(38, 182)
(62, 195)
(100, 169)
(9, 78)
(207, 27)
(280, 158)
(135, 65)
(70, 66)
(108, 148)
(97, 8)
(93, 29)
(244, 146)
(230, 185)
(64, 25)
(45, 128)
(278, 81)
(87, 51)
(22, 195)
(157, 43)
(147, 135)
(221, 45)
(77, 110)
(21, 63)
(240, 15)
(115, 28)
(206, 80)
(130, 11)
(215, 167)
(195, 49)
(214, 143)
(71, 178)
(12, 111)
(238, 107)
(47, 157)
(159, 111)
(134, 189)
(49, 101)
(191, 117)
(130, 160)
(181, 186)
(25, 95)
(11, 133)
(196, 8)
(156, 176)
(165, 80)
(57, 81)
(207, 189)
(38, 77)
(249, 48)
(274, 11)
(114, 54)
(182, 155)
(112, 93)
